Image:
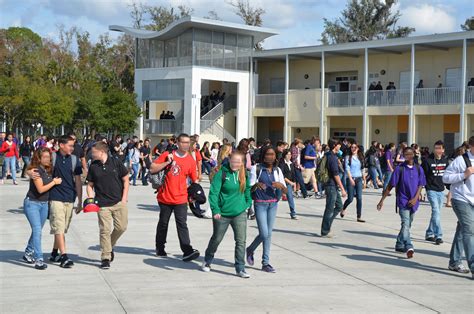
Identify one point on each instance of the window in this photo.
(277, 86)
(217, 49)
(186, 48)
(230, 52)
(143, 50)
(453, 77)
(163, 89)
(244, 47)
(171, 52)
(156, 53)
(203, 45)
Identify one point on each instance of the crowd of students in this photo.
(248, 181)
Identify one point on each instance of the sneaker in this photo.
(430, 239)
(360, 220)
(2, 181)
(268, 269)
(105, 264)
(439, 241)
(299, 194)
(65, 262)
(310, 194)
(28, 258)
(243, 274)
(15, 183)
(328, 236)
(40, 265)
(318, 195)
(112, 256)
(161, 253)
(410, 253)
(400, 250)
(294, 217)
(459, 268)
(191, 256)
(250, 259)
(205, 267)
(54, 257)
(251, 217)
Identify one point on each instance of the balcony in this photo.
(268, 101)
(163, 127)
(423, 96)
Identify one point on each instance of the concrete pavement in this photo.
(358, 271)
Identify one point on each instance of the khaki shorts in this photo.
(308, 175)
(60, 215)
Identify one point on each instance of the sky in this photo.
(298, 22)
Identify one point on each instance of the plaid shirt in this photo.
(295, 153)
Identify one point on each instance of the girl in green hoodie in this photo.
(229, 198)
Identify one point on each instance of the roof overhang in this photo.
(179, 26)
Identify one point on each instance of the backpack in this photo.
(400, 181)
(465, 156)
(383, 162)
(73, 162)
(157, 180)
(322, 172)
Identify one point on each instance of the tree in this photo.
(364, 20)
(468, 24)
(250, 15)
(159, 17)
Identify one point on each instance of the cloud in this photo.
(428, 19)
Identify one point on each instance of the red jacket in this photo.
(9, 150)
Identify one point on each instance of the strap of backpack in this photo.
(397, 188)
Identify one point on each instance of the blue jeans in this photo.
(434, 228)
(26, 162)
(373, 175)
(386, 178)
(10, 162)
(300, 181)
(333, 207)
(206, 167)
(134, 173)
(266, 214)
(239, 226)
(357, 190)
(404, 239)
(144, 175)
(36, 213)
(464, 236)
(291, 201)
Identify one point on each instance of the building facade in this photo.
(416, 89)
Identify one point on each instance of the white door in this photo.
(453, 77)
(405, 79)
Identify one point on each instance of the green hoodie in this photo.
(226, 199)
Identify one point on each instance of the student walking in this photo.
(332, 182)
(108, 183)
(289, 173)
(434, 167)
(229, 197)
(10, 151)
(408, 180)
(354, 165)
(266, 178)
(173, 196)
(26, 152)
(459, 175)
(35, 205)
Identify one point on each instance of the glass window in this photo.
(163, 89)
(203, 45)
(186, 48)
(218, 49)
(230, 51)
(143, 59)
(156, 53)
(171, 53)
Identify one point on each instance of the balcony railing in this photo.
(270, 101)
(422, 96)
(163, 126)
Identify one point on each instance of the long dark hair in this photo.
(36, 160)
(264, 152)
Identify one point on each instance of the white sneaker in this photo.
(207, 214)
(205, 267)
(243, 274)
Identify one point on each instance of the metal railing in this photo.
(212, 127)
(270, 101)
(422, 96)
(163, 126)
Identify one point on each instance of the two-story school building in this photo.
(416, 89)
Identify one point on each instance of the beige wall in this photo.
(304, 107)
(388, 127)
(432, 65)
(429, 129)
(304, 133)
(345, 123)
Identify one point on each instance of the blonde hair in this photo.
(242, 172)
(225, 152)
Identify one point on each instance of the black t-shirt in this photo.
(66, 191)
(107, 179)
(78, 151)
(33, 193)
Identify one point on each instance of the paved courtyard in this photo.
(358, 271)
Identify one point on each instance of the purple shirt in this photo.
(412, 179)
(388, 156)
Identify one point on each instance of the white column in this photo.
(287, 86)
(411, 117)
(365, 137)
(141, 126)
(462, 131)
(322, 125)
(251, 98)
